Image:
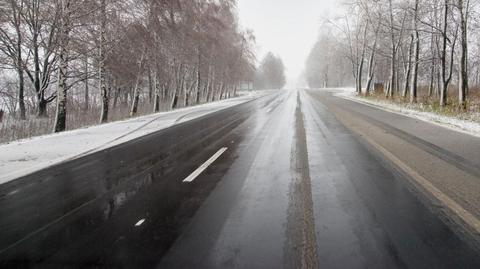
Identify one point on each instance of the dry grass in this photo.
(427, 103)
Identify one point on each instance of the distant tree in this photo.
(326, 65)
(271, 73)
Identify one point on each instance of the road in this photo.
(305, 180)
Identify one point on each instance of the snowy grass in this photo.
(426, 110)
(12, 129)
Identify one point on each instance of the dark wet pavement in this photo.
(295, 189)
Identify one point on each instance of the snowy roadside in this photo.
(26, 156)
(456, 124)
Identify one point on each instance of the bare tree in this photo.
(61, 113)
(462, 6)
(189, 52)
(416, 57)
(102, 59)
(10, 17)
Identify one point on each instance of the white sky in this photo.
(288, 28)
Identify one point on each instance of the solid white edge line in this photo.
(205, 165)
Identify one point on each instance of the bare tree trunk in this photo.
(42, 103)
(39, 87)
(102, 58)
(371, 62)
(185, 93)
(137, 90)
(190, 93)
(156, 79)
(86, 94)
(61, 112)
(408, 69)
(183, 88)
(174, 101)
(21, 85)
(151, 83)
(371, 69)
(362, 60)
(136, 98)
(156, 90)
(211, 86)
(165, 87)
(393, 55)
(397, 86)
(199, 79)
(199, 86)
(431, 86)
(439, 83)
(443, 57)
(387, 92)
(116, 96)
(463, 78)
(393, 78)
(222, 90)
(19, 62)
(325, 76)
(413, 86)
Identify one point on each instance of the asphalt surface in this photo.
(297, 187)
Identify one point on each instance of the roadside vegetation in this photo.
(426, 103)
(67, 64)
(423, 54)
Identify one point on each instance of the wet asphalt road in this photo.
(295, 189)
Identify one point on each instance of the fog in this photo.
(287, 28)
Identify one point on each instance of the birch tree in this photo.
(61, 113)
(462, 6)
(416, 57)
(102, 83)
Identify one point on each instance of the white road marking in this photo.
(140, 222)
(204, 166)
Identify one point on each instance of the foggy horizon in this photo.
(290, 34)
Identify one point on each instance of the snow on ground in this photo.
(23, 157)
(460, 125)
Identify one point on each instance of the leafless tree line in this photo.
(407, 45)
(326, 65)
(165, 53)
(271, 73)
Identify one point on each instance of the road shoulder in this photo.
(452, 191)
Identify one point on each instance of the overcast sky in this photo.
(288, 28)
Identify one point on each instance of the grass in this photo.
(426, 103)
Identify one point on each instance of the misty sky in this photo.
(288, 28)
